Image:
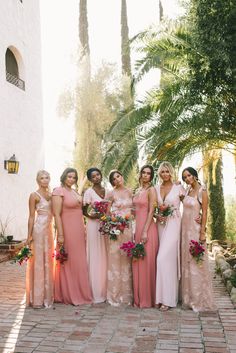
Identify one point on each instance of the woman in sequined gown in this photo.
(39, 275)
(119, 282)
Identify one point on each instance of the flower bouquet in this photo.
(196, 250)
(164, 211)
(113, 225)
(98, 208)
(60, 254)
(136, 251)
(23, 255)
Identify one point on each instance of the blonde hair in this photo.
(40, 173)
(169, 167)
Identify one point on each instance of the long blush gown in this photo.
(119, 280)
(72, 280)
(39, 274)
(144, 270)
(168, 258)
(96, 252)
(196, 286)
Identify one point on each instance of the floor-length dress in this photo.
(144, 270)
(168, 258)
(119, 280)
(96, 252)
(39, 274)
(196, 284)
(72, 279)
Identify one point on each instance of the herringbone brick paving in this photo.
(101, 328)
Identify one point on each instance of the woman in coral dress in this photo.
(39, 276)
(196, 287)
(96, 243)
(168, 258)
(144, 270)
(119, 284)
(72, 280)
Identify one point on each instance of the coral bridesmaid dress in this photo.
(72, 279)
(144, 270)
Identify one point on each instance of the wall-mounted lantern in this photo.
(12, 165)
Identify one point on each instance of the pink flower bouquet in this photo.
(113, 225)
(23, 255)
(196, 250)
(98, 207)
(60, 254)
(136, 251)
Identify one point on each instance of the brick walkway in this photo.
(102, 328)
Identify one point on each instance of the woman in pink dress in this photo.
(96, 243)
(39, 275)
(72, 279)
(196, 290)
(168, 258)
(144, 270)
(119, 282)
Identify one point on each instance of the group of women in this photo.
(97, 270)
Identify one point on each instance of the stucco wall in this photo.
(21, 121)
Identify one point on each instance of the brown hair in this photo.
(111, 175)
(67, 171)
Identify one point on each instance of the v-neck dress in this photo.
(168, 258)
(96, 251)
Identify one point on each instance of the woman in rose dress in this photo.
(96, 243)
(168, 258)
(72, 279)
(119, 283)
(39, 276)
(196, 288)
(144, 270)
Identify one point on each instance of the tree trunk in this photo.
(84, 40)
(125, 48)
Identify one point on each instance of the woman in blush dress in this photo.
(144, 270)
(72, 279)
(119, 283)
(39, 275)
(168, 258)
(96, 243)
(196, 288)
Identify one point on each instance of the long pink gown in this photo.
(168, 258)
(144, 270)
(119, 280)
(96, 252)
(39, 274)
(72, 279)
(197, 292)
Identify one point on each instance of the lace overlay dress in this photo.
(119, 284)
(196, 288)
(39, 275)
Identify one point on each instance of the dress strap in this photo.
(37, 193)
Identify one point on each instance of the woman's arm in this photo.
(57, 208)
(32, 206)
(151, 204)
(204, 216)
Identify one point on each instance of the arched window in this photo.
(12, 70)
(11, 63)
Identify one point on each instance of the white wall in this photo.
(21, 122)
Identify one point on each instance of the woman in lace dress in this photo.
(39, 276)
(196, 280)
(96, 243)
(168, 258)
(144, 270)
(119, 286)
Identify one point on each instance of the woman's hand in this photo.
(161, 219)
(144, 237)
(60, 239)
(29, 240)
(202, 237)
(198, 219)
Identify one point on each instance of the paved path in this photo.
(101, 328)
